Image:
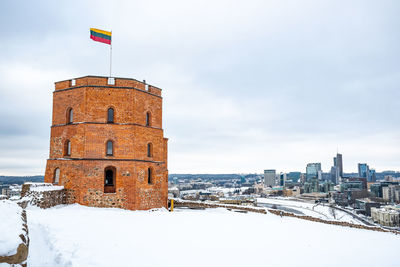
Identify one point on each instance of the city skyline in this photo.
(246, 87)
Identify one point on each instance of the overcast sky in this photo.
(247, 85)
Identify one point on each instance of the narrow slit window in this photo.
(149, 150)
(70, 115)
(110, 115)
(56, 178)
(110, 148)
(149, 176)
(148, 119)
(68, 148)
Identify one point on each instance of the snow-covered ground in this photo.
(75, 235)
(322, 211)
(10, 227)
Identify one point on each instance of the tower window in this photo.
(70, 115)
(56, 177)
(148, 119)
(110, 115)
(149, 176)
(149, 149)
(109, 180)
(110, 148)
(67, 149)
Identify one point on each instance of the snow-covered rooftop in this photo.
(33, 184)
(46, 188)
(41, 187)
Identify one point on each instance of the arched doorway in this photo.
(109, 179)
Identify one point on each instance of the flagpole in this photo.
(110, 55)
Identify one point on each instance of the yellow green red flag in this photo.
(100, 36)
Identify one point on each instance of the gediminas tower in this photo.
(107, 146)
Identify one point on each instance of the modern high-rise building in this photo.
(363, 170)
(326, 176)
(338, 162)
(282, 179)
(269, 178)
(294, 176)
(372, 175)
(312, 170)
(335, 175)
(303, 178)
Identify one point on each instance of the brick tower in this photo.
(107, 145)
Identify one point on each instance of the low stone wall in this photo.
(195, 204)
(347, 224)
(43, 195)
(23, 248)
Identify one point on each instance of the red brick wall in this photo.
(82, 173)
(68, 99)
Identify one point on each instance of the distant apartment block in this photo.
(313, 170)
(13, 191)
(386, 216)
(391, 193)
(364, 205)
(269, 178)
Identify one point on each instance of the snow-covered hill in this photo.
(320, 211)
(75, 235)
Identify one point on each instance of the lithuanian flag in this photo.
(100, 36)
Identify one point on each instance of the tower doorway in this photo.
(109, 180)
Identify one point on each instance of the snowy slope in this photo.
(321, 211)
(75, 235)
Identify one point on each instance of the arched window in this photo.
(67, 148)
(70, 115)
(148, 119)
(149, 176)
(109, 179)
(109, 148)
(149, 149)
(110, 115)
(56, 177)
